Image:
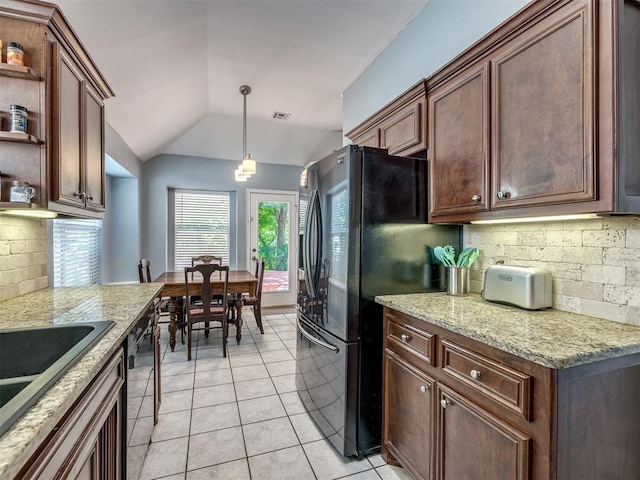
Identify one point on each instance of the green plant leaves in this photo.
(446, 256)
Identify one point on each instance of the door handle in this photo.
(313, 339)
(253, 258)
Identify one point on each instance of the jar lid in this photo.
(14, 45)
(19, 182)
(18, 108)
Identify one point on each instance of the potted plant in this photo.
(458, 278)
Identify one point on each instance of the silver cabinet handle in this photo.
(476, 198)
(424, 388)
(404, 337)
(444, 402)
(502, 195)
(475, 374)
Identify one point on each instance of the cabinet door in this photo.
(542, 114)
(408, 411)
(458, 144)
(475, 445)
(94, 158)
(68, 99)
(369, 138)
(404, 133)
(88, 442)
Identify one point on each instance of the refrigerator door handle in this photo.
(313, 339)
(306, 254)
(313, 226)
(317, 213)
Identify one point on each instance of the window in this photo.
(202, 226)
(77, 252)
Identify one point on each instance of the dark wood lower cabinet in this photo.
(474, 444)
(457, 409)
(87, 444)
(408, 390)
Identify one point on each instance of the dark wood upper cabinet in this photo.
(400, 126)
(94, 153)
(458, 144)
(67, 153)
(63, 154)
(78, 139)
(539, 116)
(542, 114)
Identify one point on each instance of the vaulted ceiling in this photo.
(176, 68)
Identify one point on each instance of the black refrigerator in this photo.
(364, 234)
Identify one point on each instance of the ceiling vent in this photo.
(281, 116)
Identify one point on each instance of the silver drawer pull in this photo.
(404, 337)
(475, 374)
(444, 403)
(424, 388)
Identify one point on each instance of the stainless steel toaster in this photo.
(524, 287)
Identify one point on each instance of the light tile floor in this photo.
(240, 417)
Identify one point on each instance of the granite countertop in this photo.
(123, 304)
(550, 338)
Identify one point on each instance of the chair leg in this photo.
(188, 341)
(225, 328)
(257, 312)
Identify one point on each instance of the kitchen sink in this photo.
(32, 359)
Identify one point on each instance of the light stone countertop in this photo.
(550, 338)
(123, 304)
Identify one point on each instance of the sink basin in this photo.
(32, 359)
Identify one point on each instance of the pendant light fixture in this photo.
(248, 165)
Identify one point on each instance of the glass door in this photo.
(273, 231)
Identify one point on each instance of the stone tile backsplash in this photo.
(595, 263)
(23, 256)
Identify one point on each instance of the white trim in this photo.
(293, 236)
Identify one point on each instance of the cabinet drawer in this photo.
(415, 341)
(506, 386)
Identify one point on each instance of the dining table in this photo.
(240, 281)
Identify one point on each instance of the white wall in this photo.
(121, 231)
(166, 172)
(441, 31)
(117, 149)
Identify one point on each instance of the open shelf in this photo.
(15, 71)
(19, 138)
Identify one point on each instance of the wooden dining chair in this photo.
(206, 259)
(255, 300)
(206, 310)
(144, 270)
(144, 273)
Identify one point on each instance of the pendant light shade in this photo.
(248, 166)
(239, 175)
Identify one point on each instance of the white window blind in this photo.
(77, 252)
(202, 226)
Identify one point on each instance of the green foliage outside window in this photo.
(273, 235)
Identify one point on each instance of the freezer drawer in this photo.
(326, 380)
